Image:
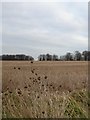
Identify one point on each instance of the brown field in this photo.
(44, 89)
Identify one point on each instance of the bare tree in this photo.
(68, 56)
(77, 56)
(85, 55)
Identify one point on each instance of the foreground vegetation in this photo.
(48, 105)
(45, 90)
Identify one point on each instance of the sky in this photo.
(35, 28)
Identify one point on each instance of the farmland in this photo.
(51, 89)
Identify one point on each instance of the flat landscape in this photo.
(47, 89)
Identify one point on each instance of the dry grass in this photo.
(45, 89)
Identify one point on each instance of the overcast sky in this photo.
(44, 27)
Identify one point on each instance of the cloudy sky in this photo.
(35, 28)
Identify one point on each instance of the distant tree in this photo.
(68, 56)
(49, 57)
(29, 58)
(88, 55)
(55, 57)
(40, 59)
(44, 57)
(62, 58)
(77, 56)
(17, 57)
(85, 55)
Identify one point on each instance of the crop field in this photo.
(45, 89)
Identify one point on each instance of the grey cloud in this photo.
(44, 27)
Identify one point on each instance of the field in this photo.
(44, 89)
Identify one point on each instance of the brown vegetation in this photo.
(44, 89)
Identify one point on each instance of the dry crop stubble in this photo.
(44, 89)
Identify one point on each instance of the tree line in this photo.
(76, 56)
(16, 57)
